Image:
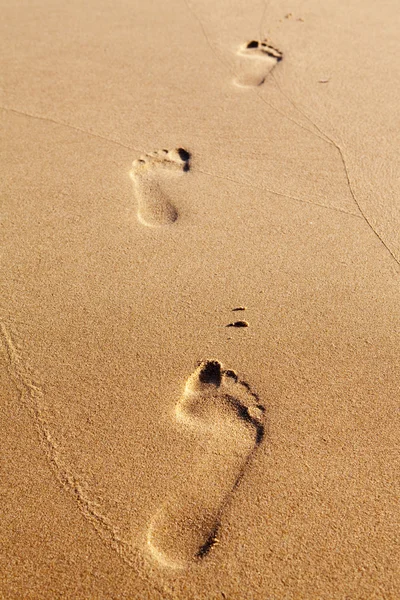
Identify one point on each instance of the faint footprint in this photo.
(147, 174)
(255, 61)
(227, 420)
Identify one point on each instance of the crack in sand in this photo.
(235, 75)
(294, 198)
(112, 141)
(332, 142)
(324, 137)
(73, 127)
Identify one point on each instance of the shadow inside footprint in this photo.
(228, 420)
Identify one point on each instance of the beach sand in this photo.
(170, 170)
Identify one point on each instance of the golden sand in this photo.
(200, 300)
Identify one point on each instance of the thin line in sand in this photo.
(31, 395)
(323, 136)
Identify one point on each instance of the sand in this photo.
(170, 169)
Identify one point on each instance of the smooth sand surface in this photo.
(164, 163)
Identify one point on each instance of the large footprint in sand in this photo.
(148, 174)
(227, 420)
(254, 61)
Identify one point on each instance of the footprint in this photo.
(255, 61)
(147, 173)
(226, 418)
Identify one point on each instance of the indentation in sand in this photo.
(227, 419)
(255, 60)
(147, 173)
(238, 324)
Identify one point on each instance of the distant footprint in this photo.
(147, 173)
(227, 420)
(255, 61)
